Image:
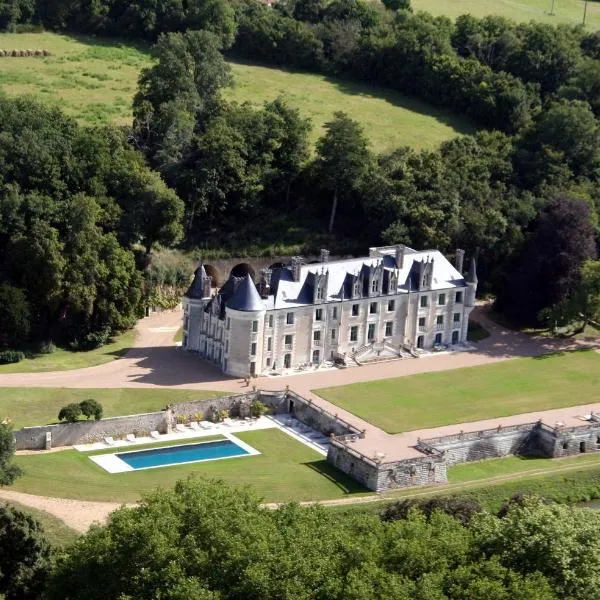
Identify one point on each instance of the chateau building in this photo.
(392, 302)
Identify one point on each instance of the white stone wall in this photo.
(240, 338)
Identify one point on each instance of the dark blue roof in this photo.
(246, 297)
(196, 289)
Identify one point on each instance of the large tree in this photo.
(343, 157)
(15, 317)
(8, 470)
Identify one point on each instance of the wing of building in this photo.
(395, 299)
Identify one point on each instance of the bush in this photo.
(258, 409)
(70, 413)
(91, 408)
(11, 356)
(47, 347)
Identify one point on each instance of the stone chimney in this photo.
(460, 259)
(324, 255)
(400, 256)
(264, 286)
(296, 267)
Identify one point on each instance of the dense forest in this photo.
(206, 541)
(81, 209)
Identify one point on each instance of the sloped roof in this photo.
(246, 297)
(196, 289)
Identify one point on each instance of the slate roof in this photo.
(246, 297)
(196, 289)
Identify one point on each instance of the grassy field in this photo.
(95, 81)
(56, 532)
(565, 11)
(285, 470)
(38, 406)
(474, 393)
(63, 360)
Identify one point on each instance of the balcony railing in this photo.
(422, 328)
(287, 346)
(317, 342)
(439, 326)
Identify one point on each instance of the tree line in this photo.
(207, 541)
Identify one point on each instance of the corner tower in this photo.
(244, 324)
(193, 302)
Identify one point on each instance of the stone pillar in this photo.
(48, 445)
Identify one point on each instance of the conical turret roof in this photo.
(472, 274)
(196, 289)
(246, 297)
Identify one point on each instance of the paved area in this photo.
(155, 362)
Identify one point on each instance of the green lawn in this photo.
(461, 395)
(565, 11)
(95, 80)
(38, 406)
(286, 470)
(56, 532)
(63, 360)
(389, 119)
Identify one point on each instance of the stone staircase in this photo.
(379, 352)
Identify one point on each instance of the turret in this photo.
(193, 302)
(471, 281)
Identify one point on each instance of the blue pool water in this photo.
(174, 455)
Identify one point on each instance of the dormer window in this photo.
(319, 293)
(375, 285)
(356, 289)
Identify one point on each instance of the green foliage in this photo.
(258, 409)
(15, 316)
(25, 555)
(90, 408)
(70, 413)
(8, 357)
(8, 470)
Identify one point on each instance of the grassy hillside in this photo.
(565, 11)
(95, 80)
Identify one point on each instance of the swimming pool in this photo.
(187, 453)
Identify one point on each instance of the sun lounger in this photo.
(130, 437)
(181, 428)
(228, 422)
(206, 425)
(155, 435)
(109, 441)
(194, 425)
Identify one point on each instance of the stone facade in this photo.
(395, 300)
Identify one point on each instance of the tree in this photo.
(70, 413)
(397, 4)
(343, 156)
(90, 408)
(25, 556)
(15, 317)
(8, 470)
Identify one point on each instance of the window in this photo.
(420, 341)
(228, 323)
(424, 301)
(357, 289)
(333, 334)
(389, 328)
(227, 346)
(375, 285)
(391, 305)
(373, 308)
(268, 362)
(458, 297)
(355, 310)
(287, 361)
(252, 369)
(185, 322)
(457, 317)
(289, 319)
(353, 333)
(439, 320)
(253, 349)
(319, 293)
(225, 365)
(455, 337)
(254, 326)
(371, 332)
(269, 344)
(421, 321)
(316, 356)
(317, 336)
(334, 313)
(438, 338)
(319, 314)
(442, 299)
(270, 320)
(288, 341)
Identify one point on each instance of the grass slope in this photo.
(95, 80)
(56, 532)
(474, 393)
(37, 406)
(286, 470)
(565, 11)
(389, 119)
(63, 360)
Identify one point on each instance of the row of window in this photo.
(439, 319)
(458, 298)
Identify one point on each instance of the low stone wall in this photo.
(84, 432)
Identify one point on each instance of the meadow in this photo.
(471, 394)
(565, 11)
(286, 470)
(95, 80)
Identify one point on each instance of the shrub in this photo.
(91, 408)
(258, 408)
(47, 347)
(70, 413)
(11, 356)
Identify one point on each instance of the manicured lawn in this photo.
(565, 11)
(57, 533)
(63, 360)
(389, 119)
(95, 80)
(39, 406)
(286, 470)
(475, 393)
